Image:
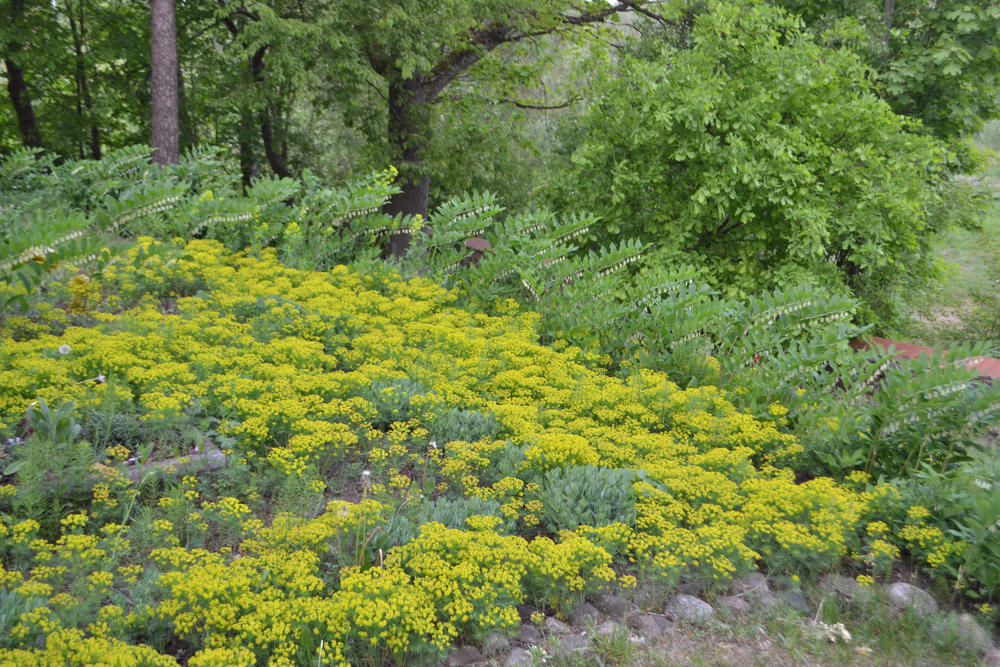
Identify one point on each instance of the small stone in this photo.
(529, 635)
(575, 644)
(495, 644)
(736, 605)
(907, 596)
(992, 659)
(585, 615)
(608, 629)
(464, 655)
(554, 626)
(690, 609)
(519, 657)
(845, 588)
(966, 631)
(651, 626)
(612, 606)
(795, 600)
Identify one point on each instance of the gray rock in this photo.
(690, 609)
(736, 605)
(613, 606)
(554, 626)
(845, 588)
(965, 631)
(573, 645)
(753, 584)
(519, 657)
(766, 600)
(992, 659)
(651, 626)
(907, 596)
(585, 615)
(795, 600)
(464, 655)
(496, 644)
(608, 628)
(529, 635)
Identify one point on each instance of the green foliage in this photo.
(586, 495)
(937, 61)
(962, 502)
(926, 411)
(763, 157)
(52, 465)
(465, 425)
(393, 400)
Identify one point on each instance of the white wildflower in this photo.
(64, 349)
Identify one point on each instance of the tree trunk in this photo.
(409, 134)
(188, 129)
(165, 122)
(888, 11)
(274, 157)
(17, 87)
(83, 98)
(245, 133)
(27, 126)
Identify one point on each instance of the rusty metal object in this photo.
(478, 246)
(986, 366)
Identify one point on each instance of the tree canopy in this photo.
(760, 153)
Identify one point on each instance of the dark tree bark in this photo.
(83, 97)
(27, 126)
(274, 157)
(409, 134)
(165, 122)
(247, 166)
(17, 87)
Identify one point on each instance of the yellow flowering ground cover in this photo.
(307, 375)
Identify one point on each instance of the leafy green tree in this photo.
(83, 66)
(762, 155)
(411, 52)
(936, 61)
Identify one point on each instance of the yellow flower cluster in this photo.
(303, 371)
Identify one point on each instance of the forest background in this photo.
(767, 148)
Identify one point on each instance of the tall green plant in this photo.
(753, 150)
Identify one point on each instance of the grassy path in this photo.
(965, 304)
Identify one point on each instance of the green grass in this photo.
(964, 304)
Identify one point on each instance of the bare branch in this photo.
(540, 107)
(642, 8)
